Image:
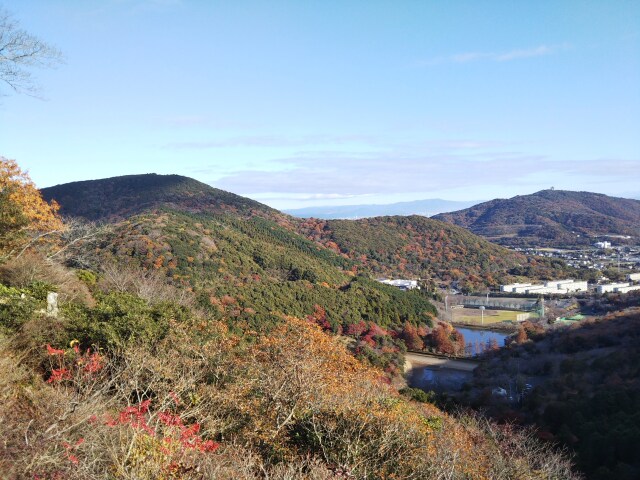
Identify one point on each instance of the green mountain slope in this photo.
(121, 197)
(262, 265)
(419, 247)
(245, 263)
(550, 217)
(412, 246)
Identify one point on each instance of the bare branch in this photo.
(19, 53)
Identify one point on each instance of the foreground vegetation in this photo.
(121, 387)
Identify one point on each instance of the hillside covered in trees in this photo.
(420, 247)
(120, 197)
(144, 370)
(414, 246)
(551, 218)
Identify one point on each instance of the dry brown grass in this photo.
(30, 267)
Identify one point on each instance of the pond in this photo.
(437, 379)
(441, 379)
(479, 340)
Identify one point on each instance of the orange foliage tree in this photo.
(25, 216)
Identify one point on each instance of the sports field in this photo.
(473, 316)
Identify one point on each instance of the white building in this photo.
(510, 288)
(541, 289)
(524, 288)
(553, 287)
(602, 244)
(402, 284)
(633, 277)
(611, 287)
(630, 288)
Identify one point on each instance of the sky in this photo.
(301, 103)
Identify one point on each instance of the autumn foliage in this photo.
(204, 403)
(23, 213)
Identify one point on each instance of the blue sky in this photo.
(336, 102)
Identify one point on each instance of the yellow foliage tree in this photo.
(24, 215)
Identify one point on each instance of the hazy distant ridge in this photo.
(427, 208)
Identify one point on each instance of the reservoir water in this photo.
(437, 379)
(478, 340)
(443, 379)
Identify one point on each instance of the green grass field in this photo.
(473, 316)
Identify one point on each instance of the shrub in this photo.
(23, 213)
(118, 319)
(16, 307)
(418, 395)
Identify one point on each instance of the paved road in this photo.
(414, 360)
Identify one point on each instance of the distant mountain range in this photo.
(427, 208)
(551, 218)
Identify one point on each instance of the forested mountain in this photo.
(262, 239)
(121, 197)
(242, 259)
(417, 246)
(550, 217)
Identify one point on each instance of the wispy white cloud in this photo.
(505, 56)
(309, 175)
(378, 173)
(271, 141)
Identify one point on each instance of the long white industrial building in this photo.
(630, 288)
(581, 286)
(560, 287)
(401, 284)
(512, 286)
(611, 287)
(552, 287)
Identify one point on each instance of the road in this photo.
(416, 360)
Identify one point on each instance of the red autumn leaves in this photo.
(165, 426)
(87, 363)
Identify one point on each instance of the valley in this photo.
(319, 240)
(153, 249)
